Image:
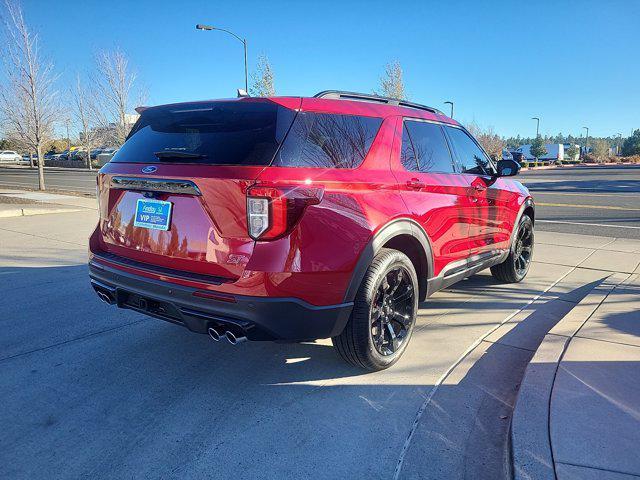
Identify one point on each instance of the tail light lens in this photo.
(273, 212)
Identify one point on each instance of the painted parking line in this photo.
(601, 207)
(606, 225)
(572, 194)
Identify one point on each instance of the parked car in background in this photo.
(9, 156)
(79, 155)
(294, 219)
(105, 156)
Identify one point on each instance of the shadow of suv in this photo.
(294, 219)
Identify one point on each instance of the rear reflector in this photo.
(214, 296)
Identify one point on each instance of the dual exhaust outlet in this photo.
(217, 335)
(105, 297)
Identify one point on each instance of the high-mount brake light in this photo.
(272, 212)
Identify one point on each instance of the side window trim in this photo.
(413, 148)
(452, 158)
(459, 165)
(454, 153)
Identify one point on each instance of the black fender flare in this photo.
(526, 204)
(395, 228)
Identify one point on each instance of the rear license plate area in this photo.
(153, 214)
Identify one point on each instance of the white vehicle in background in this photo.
(105, 156)
(9, 156)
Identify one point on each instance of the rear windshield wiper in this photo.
(167, 154)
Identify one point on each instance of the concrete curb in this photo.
(531, 451)
(25, 212)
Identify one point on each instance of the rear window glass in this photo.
(321, 140)
(216, 133)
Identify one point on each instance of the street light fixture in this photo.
(537, 126)
(200, 26)
(450, 103)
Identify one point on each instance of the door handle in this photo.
(415, 184)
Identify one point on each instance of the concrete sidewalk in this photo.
(578, 410)
(18, 203)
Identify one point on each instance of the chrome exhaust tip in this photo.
(233, 340)
(214, 334)
(105, 297)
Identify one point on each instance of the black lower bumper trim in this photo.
(281, 319)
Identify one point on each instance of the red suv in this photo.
(294, 219)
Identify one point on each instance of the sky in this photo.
(571, 63)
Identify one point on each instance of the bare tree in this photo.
(114, 84)
(262, 80)
(391, 83)
(87, 117)
(492, 143)
(27, 99)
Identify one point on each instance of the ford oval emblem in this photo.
(149, 169)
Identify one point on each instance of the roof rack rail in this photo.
(367, 97)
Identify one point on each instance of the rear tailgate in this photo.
(207, 233)
(201, 158)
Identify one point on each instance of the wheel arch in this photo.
(528, 208)
(406, 236)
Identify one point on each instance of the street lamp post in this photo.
(450, 103)
(586, 141)
(619, 144)
(537, 126)
(200, 26)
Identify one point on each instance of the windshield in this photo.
(214, 133)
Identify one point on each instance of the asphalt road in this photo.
(91, 391)
(55, 179)
(602, 201)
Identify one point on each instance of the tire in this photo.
(516, 266)
(376, 347)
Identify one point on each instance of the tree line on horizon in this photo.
(99, 104)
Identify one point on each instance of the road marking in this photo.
(587, 224)
(591, 194)
(452, 367)
(601, 207)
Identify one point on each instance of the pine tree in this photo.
(537, 147)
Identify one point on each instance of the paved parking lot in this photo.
(91, 391)
(596, 200)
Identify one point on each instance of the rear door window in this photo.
(424, 148)
(321, 140)
(212, 133)
(470, 156)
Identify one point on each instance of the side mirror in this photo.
(508, 168)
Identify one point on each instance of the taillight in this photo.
(272, 212)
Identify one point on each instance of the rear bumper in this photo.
(259, 318)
